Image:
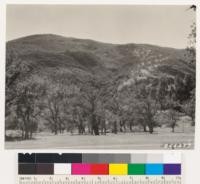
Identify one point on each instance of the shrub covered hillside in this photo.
(60, 84)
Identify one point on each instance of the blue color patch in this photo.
(154, 169)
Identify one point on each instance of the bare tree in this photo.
(28, 107)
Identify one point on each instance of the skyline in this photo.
(117, 24)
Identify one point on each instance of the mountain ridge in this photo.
(47, 53)
(87, 39)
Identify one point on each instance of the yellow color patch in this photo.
(118, 169)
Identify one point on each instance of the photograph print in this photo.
(100, 76)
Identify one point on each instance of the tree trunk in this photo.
(22, 134)
(193, 121)
(115, 128)
(60, 128)
(150, 129)
(144, 128)
(31, 134)
(103, 127)
(79, 129)
(105, 130)
(121, 126)
(130, 127)
(89, 129)
(95, 126)
(101, 130)
(26, 136)
(96, 130)
(55, 128)
(124, 128)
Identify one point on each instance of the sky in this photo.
(161, 25)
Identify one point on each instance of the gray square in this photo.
(90, 158)
(138, 158)
(155, 158)
(122, 158)
(106, 158)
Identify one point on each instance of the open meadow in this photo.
(135, 140)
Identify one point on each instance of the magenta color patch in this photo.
(81, 169)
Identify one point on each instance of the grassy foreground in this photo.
(137, 140)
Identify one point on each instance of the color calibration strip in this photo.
(99, 164)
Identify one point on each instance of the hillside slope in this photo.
(48, 53)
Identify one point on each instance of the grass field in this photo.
(138, 140)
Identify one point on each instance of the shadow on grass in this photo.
(16, 138)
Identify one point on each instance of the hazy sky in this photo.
(160, 25)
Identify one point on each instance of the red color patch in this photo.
(101, 169)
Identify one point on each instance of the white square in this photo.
(155, 158)
(171, 158)
(62, 168)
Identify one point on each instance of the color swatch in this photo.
(62, 168)
(118, 169)
(154, 169)
(98, 164)
(136, 169)
(100, 169)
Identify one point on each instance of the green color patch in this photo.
(136, 169)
